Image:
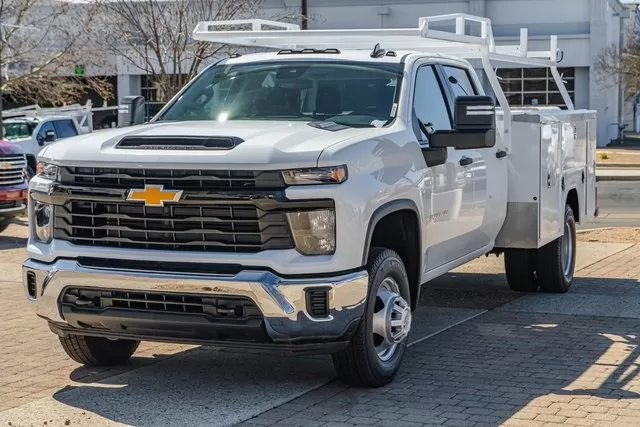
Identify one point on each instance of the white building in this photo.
(584, 28)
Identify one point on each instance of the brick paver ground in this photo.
(32, 363)
(504, 368)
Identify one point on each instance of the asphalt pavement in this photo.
(619, 203)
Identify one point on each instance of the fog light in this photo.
(314, 232)
(42, 221)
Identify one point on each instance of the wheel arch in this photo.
(403, 216)
(574, 202)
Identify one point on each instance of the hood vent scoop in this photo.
(179, 142)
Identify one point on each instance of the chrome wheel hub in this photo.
(391, 319)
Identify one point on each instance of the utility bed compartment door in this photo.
(550, 216)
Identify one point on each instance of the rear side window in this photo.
(462, 85)
(65, 128)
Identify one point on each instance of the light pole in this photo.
(6, 45)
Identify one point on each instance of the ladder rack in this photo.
(423, 38)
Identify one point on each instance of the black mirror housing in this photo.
(131, 111)
(474, 125)
(474, 113)
(49, 136)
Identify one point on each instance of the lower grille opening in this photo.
(31, 284)
(8, 205)
(318, 302)
(231, 308)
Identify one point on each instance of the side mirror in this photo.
(474, 125)
(49, 136)
(131, 111)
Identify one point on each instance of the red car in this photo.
(14, 183)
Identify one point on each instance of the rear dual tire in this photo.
(549, 268)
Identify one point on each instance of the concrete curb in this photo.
(617, 165)
(618, 177)
(589, 230)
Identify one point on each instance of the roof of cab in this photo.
(344, 55)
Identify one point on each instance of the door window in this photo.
(430, 109)
(65, 128)
(462, 85)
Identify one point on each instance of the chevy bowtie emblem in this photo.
(154, 195)
(5, 165)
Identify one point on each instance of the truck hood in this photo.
(7, 147)
(276, 144)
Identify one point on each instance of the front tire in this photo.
(375, 352)
(557, 260)
(95, 351)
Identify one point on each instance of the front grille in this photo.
(227, 307)
(184, 179)
(206, 227)
(12, 169)
(8, 205)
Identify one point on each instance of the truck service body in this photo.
(305, 213)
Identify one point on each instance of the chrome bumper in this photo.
(281, 301)
(13, 211)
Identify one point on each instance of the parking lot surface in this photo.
(480, 355)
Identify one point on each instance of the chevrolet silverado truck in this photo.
(298, 199)
(13, 183)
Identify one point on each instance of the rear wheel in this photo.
(520, 269)
(556, 261)
(375, 353)
(95, 351)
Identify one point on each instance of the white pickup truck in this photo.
(298, 199)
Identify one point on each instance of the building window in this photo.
(535, 86)
(153, 95)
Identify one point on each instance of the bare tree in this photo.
(154, 36)
(623, 63)
(41, 41)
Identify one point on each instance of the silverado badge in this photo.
(154, 195)
(5, 165)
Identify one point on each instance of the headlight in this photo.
(328, 175)
(314, 232)
(42, 220)
(47, 171)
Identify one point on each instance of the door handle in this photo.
(466, 161)
(500, 154)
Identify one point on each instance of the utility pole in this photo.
(305, 15)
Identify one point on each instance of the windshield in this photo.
(18, 130)
(360, 94)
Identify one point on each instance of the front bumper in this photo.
(16, 197)
(287, 321)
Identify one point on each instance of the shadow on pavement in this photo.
(200, 387)
(502, 367)
(10, 241)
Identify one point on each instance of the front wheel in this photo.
(375, 353)
(96, 351)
